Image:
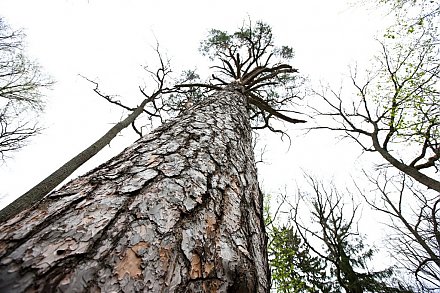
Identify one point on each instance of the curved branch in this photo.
(106, 97)
(254, 100)
(219, 79)
(409, 170)
(273, 72)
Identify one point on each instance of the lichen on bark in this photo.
(178, 211)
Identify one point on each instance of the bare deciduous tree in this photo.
(21, 84)
(414, 215)
(395, 111)
(398, 105)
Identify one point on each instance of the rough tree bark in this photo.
(178, 211)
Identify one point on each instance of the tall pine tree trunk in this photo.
(178, 211)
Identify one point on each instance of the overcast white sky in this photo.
(108, 40)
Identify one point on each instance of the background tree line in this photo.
(22, 84)
(391, 110)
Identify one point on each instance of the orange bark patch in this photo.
(131, 263)
(164, 256)
(196, 267)
(209, 266)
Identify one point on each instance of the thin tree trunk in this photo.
(40, 190)
(178, 211)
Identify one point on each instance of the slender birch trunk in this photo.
(178, 211)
